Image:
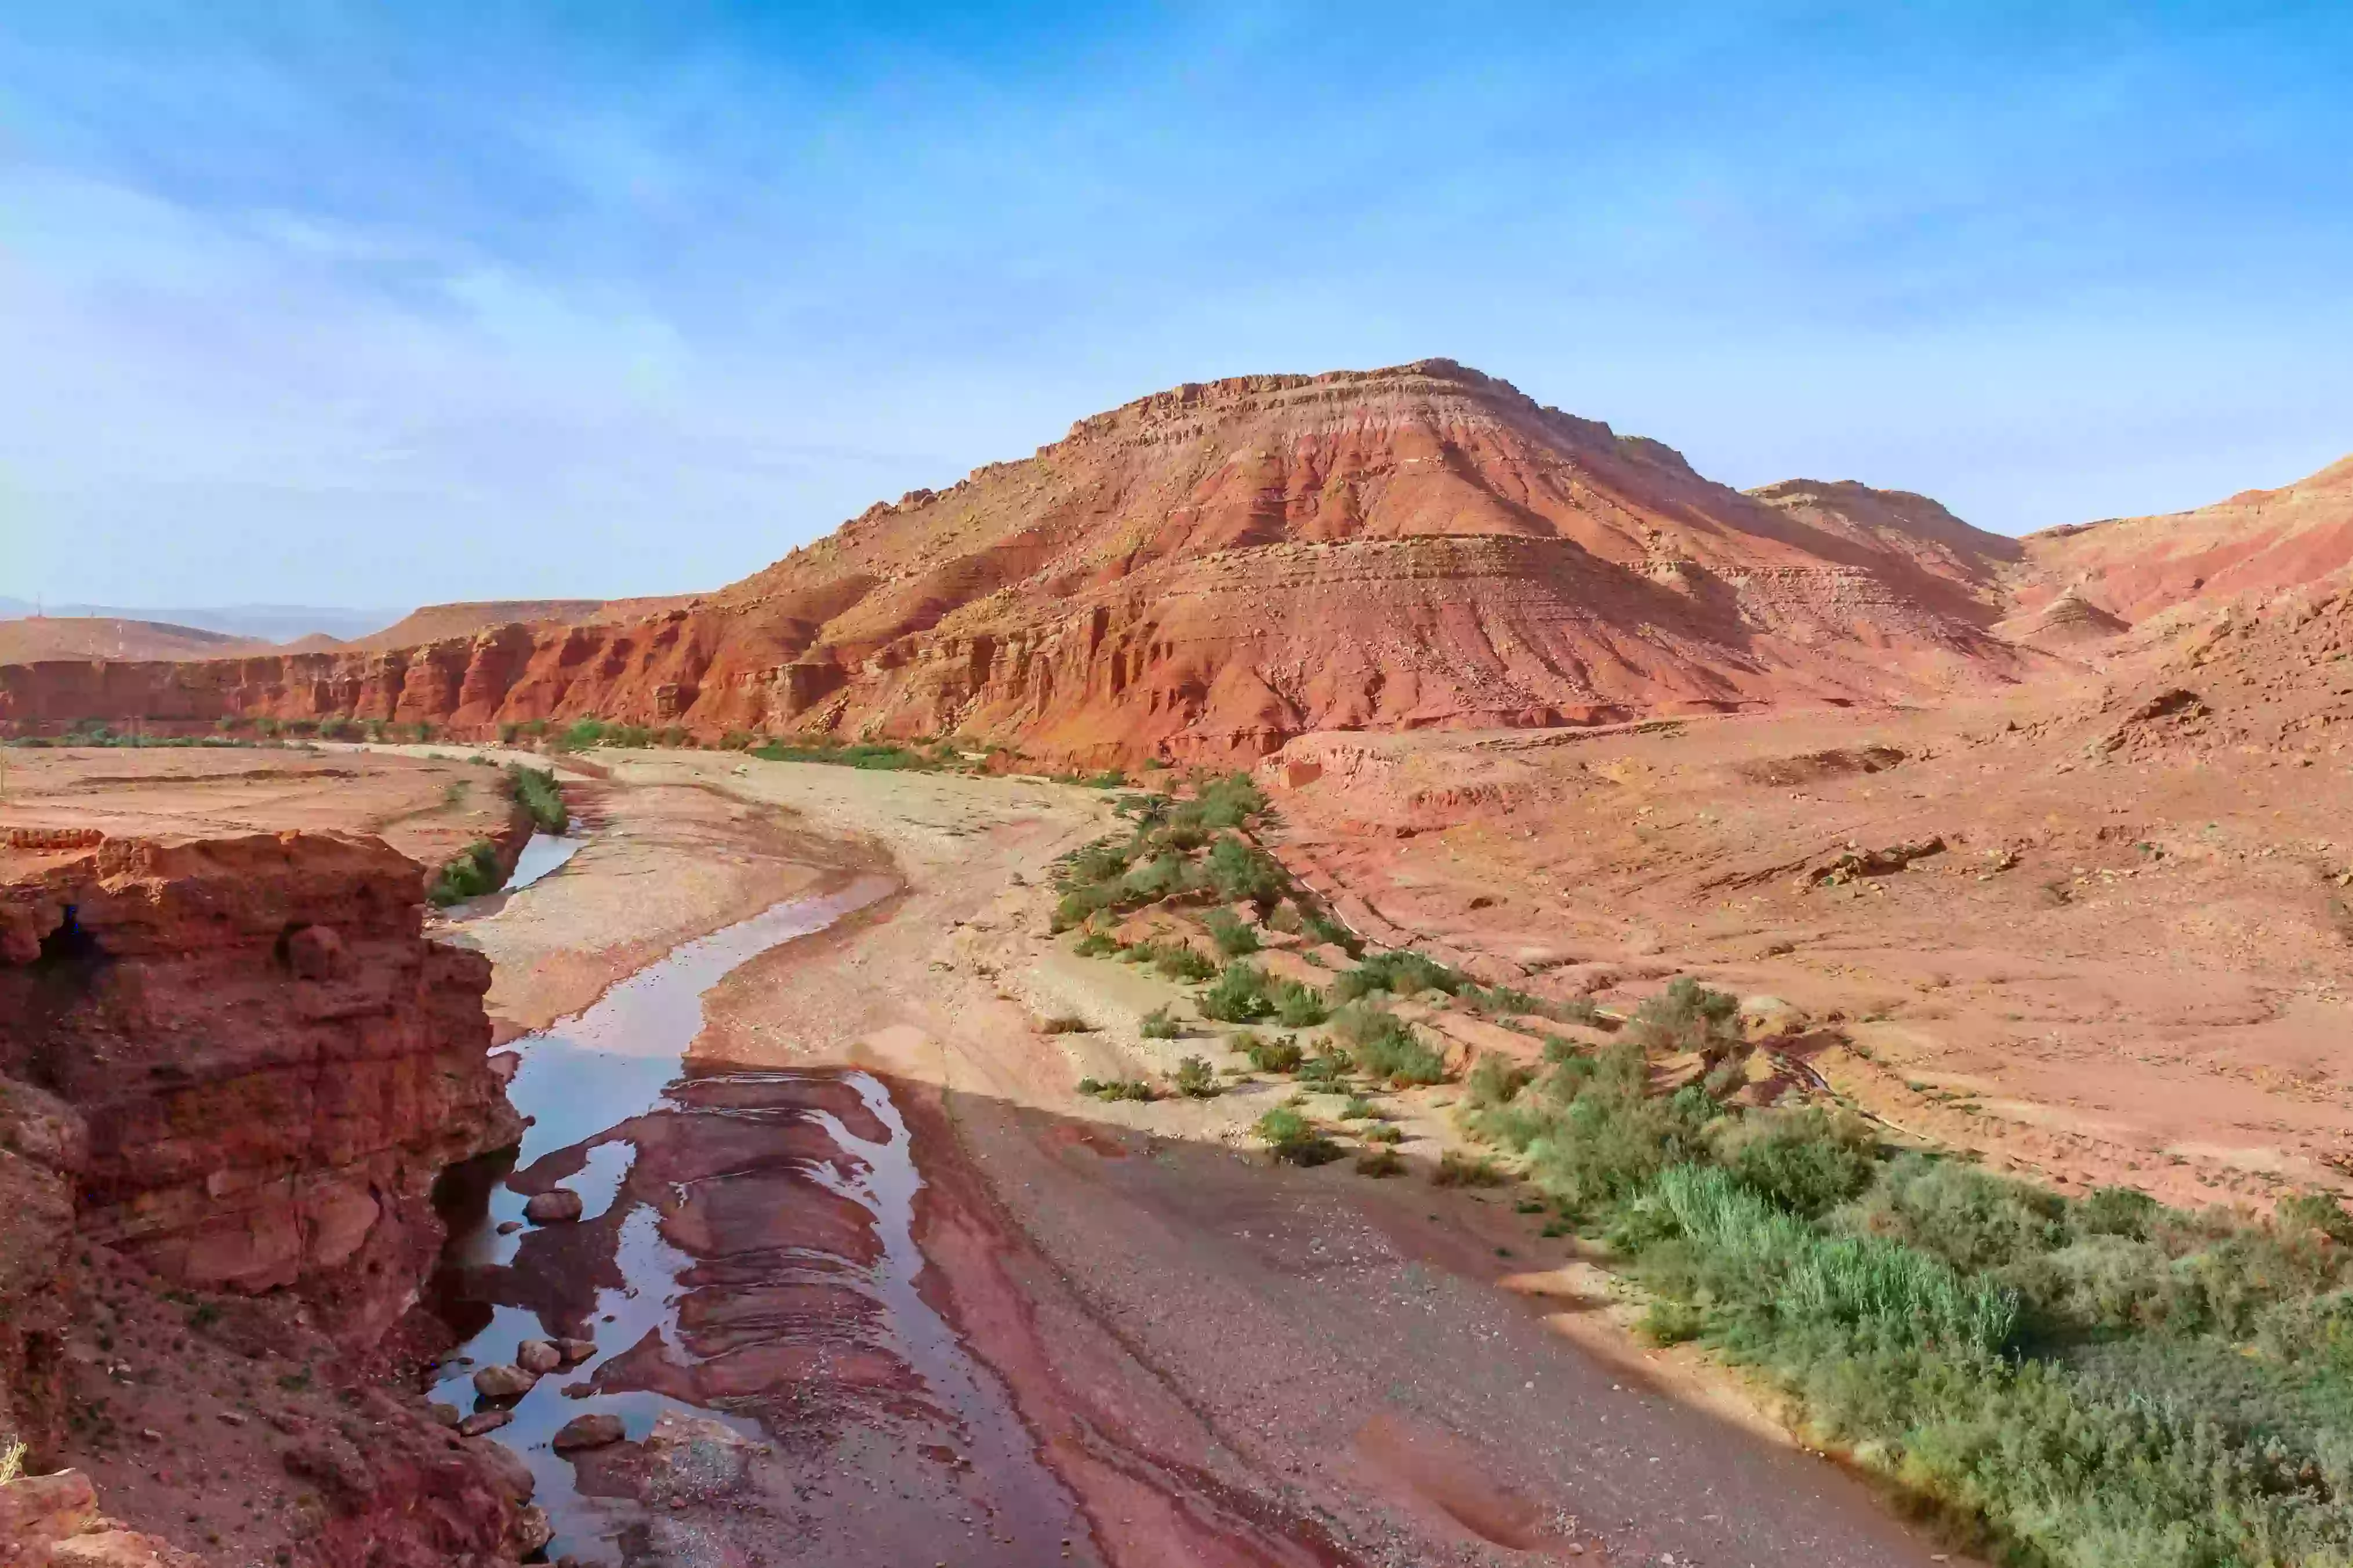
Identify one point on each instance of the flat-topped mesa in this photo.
(1200, 574)
(265, 1063)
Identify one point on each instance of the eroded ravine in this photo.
(746, 1264)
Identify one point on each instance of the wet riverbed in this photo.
(746, 1264)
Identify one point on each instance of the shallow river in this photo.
(746, 1263)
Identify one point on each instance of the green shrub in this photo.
(1298, 1007)
(1294, 1140)
(1494, 1080)
(1686, 1016)
(1238, 870)
(1387, 1048)
(1117, 1088)
(1327, 1068)
(1457, 1169)
(1157, 1025)
(1399, 974)
(1359, 1109)
(469, 875)
(1232, 935)
(1275, 1055)
(1385, 1132)
(1195, 1078)
(1379, 1161)
(1240, 996)
(1807, 1160)
(1096, 944)
(542, 799)
(1178, 961)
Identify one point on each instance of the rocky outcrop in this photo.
(268, 1063)
(1205, 573)
(235, 1066)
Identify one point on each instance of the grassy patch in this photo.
(472, 874)
(1293, 1138)
(1157, 1025)
(1195, 1079)
(1117, 1088)
(536, 791)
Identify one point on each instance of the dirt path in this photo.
(1219, 1361)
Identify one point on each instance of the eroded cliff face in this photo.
(234, 1068)
(1207, 572)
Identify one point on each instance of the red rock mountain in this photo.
(1207, 571)
(2257, 543)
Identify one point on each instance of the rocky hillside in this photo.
(2258, 543)
(1205, 572)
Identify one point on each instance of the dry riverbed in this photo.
(1202, 1358)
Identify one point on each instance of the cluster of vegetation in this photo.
(535, 790)
(97, 732)
(1196, 847)
(1410, 974)
(2069, 1382)
(469, 875)
(1117, 1088)
(875, 756)
(582, 733)
(1293, 1138)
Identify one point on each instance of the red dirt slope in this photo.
(2258, 542)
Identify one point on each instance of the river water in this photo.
(746, 1264)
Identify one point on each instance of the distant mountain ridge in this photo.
(256, 623)
(1203, 572)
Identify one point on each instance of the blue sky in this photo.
(343, 302)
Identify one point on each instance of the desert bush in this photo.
(1382, 1132)
(1157, 1025)
(1379, 1161)
(1402, 974)
(1387, 1048)
(1066, 1023)
(1359, 1109)
(1096, 944)
(1457, 1169)
(1494, 1081)
(1195, 1078)
(1805, 1160)
(1178, 961)
(1238, 870)
(1686, 1016)
(1101, 861)
(1298, 1007)
(1232, 935)
(1117, 1088)
(1240, 996)
(536, 791)
(469, 875)
(1294, 1140)
(1275, 1055)
(1327, 1068)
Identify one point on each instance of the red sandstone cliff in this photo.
(235, 1069)
(1205, 572)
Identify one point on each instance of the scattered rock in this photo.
(503, 1382)
(533, 1530)
(508, 1227)
(444, 1412)
(538, 1357)
(576, 1351)
(593, 1431)
(46, 1508)
(482, 1421)
(559, 1206)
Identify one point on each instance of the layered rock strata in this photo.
(1207, 572)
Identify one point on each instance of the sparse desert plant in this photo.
(1096, 944)
(1195, 1079)
(1329, 1068)
(1359, 1109)
(1178, 961)
(1294, 1140)
(1117, 1088)
(536, 791)
(1298, 1007)
(1379, 1161)
(1157, 1025)
(1065, 1024)
(1282, 1055)
(1387, 1048)
(1457, 1169)
(1232, 935)
(1382, 1132)
(1494, 1080)
(469, 875)
(1240, 996)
